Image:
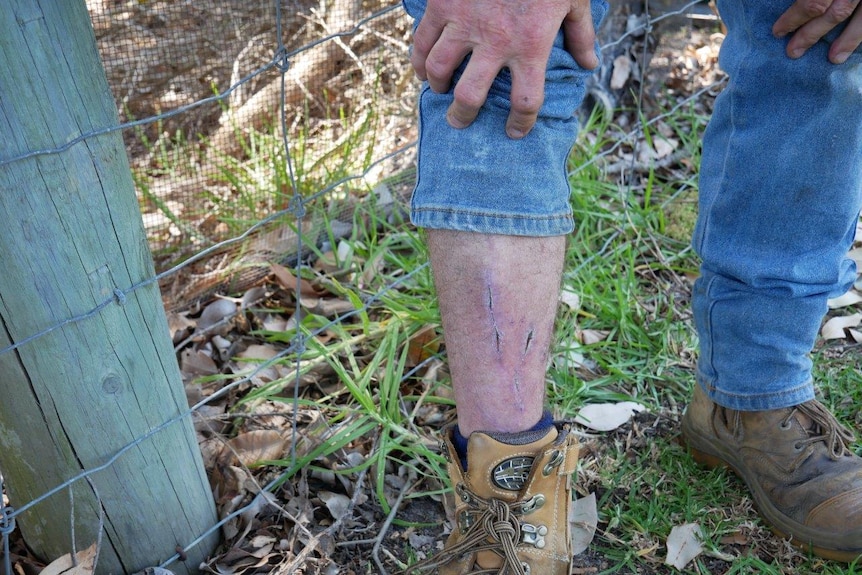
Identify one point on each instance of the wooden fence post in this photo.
(71, 238)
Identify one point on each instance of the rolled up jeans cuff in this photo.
(478, 179)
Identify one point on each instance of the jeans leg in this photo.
(780, 193)
(477, 179)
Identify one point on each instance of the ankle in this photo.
(536, 431)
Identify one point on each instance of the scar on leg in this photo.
(498, 337)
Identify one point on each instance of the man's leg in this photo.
(497, 211)
(498, 299)
(780, 193)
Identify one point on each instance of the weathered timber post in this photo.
(70, 236)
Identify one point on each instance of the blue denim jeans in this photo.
(477, 179)
(780, 193)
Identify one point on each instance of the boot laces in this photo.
(495, 529)
(825, 428)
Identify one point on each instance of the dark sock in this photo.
(460, 443)
(535, 433)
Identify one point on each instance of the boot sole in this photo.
(799, 535)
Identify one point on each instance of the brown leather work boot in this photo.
(512, 507)
(805, 481)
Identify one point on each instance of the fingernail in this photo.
(515, 133)
(796, 52)
(841, 58)
(455, 122)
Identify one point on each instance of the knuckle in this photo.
(815, 8)
(469, 96)
(804, 40)
(842, 11)
(435, 68)
(528, 105)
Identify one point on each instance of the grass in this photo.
(193, 195)
(384, 394)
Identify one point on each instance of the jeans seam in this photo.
(708, 329)
(501, 215)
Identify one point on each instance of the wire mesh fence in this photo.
(256, 131)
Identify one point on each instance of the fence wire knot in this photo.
(7, 520)
(299, 345)
(281, 60)
(119, 296)
(297, 206)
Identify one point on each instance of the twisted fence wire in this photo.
(280, 61)
(7, 526)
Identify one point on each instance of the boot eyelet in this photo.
(535, 502)
(785, 425)
(797, 446)
(526, 566)
(444, 451)
(534, 535)
(463, 493)
(556, 460)
(465, 521)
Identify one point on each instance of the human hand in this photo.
(811, 20)
(517, 34)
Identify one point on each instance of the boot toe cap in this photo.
(839, 514)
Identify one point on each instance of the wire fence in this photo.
(203, 87)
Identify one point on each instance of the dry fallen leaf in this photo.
(272, 322)
(834, 328)
(260, 502)
(217, 313)
(571, 299)
(194, 363)
(254, 446)
(255, 355)
(327, 306)
(683, 545)
(583, 519)
(237, 561)
(622, 71)
(337, 503)
(288, 281)
(86, 563)
(852, 297)
(328, 264)
(179, 324)
(591, 336)
(574, 359)
(735, 538)
(155, 571)
(607, 416)
(660, 149)
(422, 345)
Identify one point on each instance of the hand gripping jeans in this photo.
(479, 180)
(780, 193)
